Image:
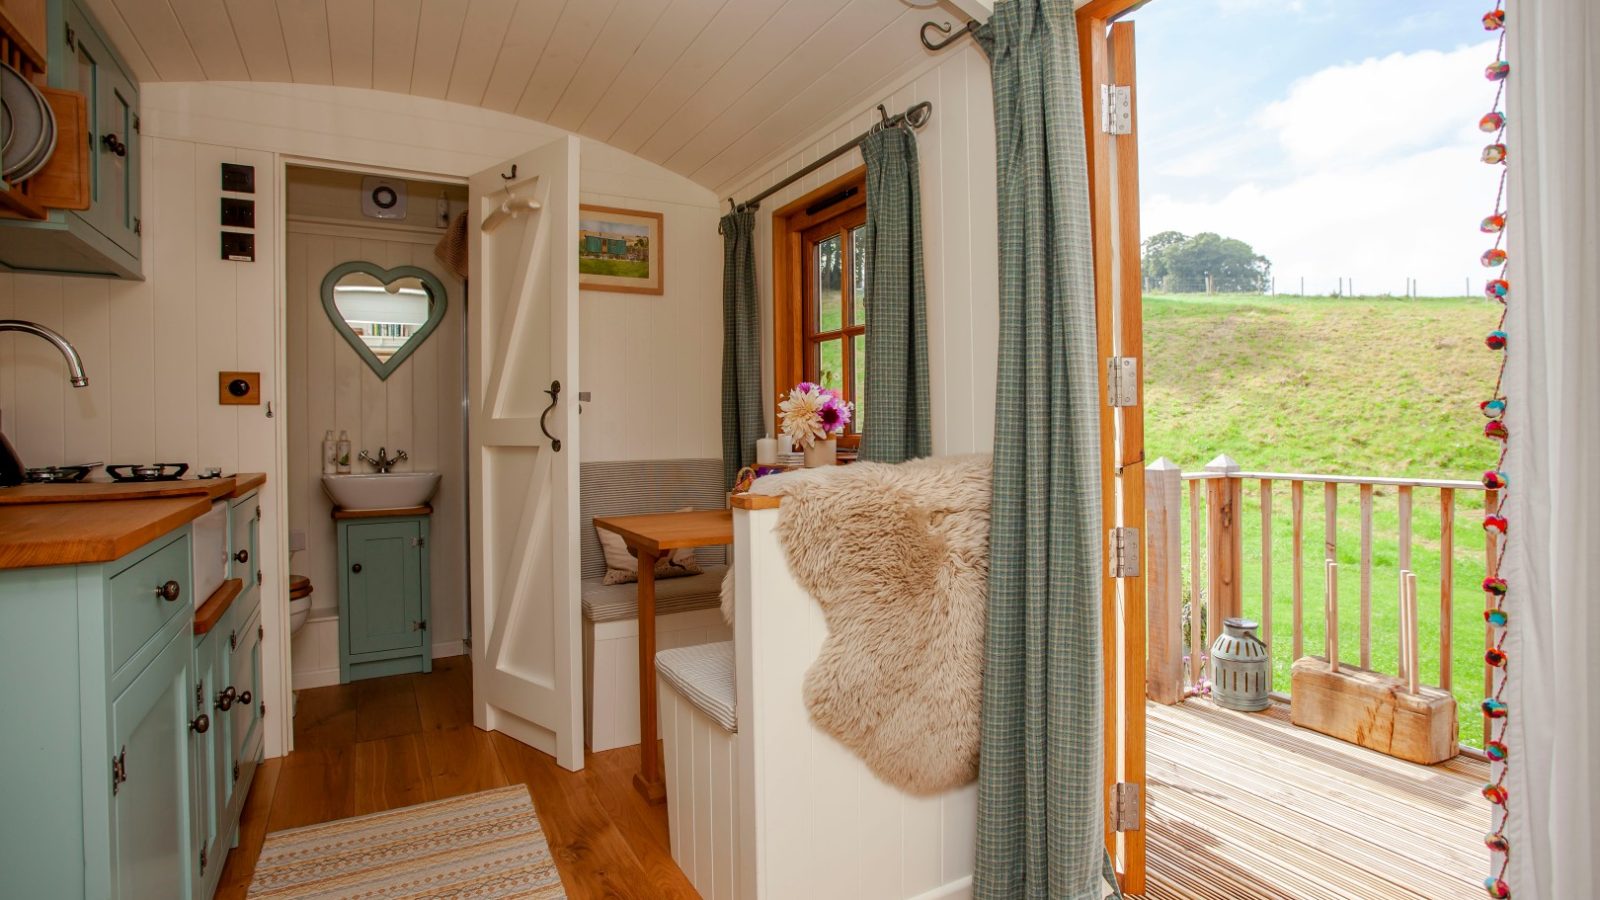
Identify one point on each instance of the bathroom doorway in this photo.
(379, 365)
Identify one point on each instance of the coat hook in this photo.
(512, 176)
(883, 114)
(945, 28)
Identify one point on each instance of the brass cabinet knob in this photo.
(242, 556)
(244, 699)
(201, 724)
(225, 699)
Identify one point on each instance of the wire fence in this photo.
(1318, 286)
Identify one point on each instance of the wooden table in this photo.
(650, 536)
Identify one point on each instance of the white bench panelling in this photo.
(611, 670)
(700, 765)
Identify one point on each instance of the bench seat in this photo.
(703, 676)
(615, 602)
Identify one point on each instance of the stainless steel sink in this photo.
(388, 490)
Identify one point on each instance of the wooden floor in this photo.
(388, 742)
(1245, 806)
(1240, 807)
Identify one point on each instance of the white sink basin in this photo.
(391, 490)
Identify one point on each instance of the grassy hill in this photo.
(1352, 386)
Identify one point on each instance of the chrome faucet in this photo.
(74, 361)
(383, 462)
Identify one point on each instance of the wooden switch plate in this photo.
(239, 388)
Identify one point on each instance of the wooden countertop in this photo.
(69, 524)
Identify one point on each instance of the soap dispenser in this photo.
(330, 458)
(344, 453)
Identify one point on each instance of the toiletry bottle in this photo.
(330, 459)
(344, 453)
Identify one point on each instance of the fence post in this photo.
(1163, 511)
(1225, 543)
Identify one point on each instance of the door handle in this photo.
(356, 568)
(555, 393)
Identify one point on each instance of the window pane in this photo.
(859, 352)
(829, 362)
(858, 266)
(830, 299)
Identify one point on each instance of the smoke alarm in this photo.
(383, 198)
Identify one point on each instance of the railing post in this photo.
(1225, 540)
(1163, 512)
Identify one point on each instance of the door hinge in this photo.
(1116, 109)
(263, 709)
(72, 39)
(258, 577)
(1127, 804)
(202, 860)
(137, 126)
(200, 695)
(1123, 552)
(419, 542)
(235, 771)
(261, 632)
(420, 626)
(258, 513)
(119, 769)
(1122, 381)
(233, 640)
(138, 225)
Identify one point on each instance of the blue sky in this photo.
(1338, 138)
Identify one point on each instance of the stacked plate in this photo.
(27, 127)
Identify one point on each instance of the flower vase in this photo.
(822, 453)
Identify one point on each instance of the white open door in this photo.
(522, 326)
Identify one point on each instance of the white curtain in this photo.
(1552, 559)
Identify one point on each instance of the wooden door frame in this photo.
(1114, 186)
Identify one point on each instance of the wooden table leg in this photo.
(648, 780)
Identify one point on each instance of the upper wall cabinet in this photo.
(90, 214)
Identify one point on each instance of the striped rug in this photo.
(485, 845)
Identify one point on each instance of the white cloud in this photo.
(1381, 180)
(1234, 7)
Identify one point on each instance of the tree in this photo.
(1178, 263)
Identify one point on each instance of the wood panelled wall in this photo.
(959, 237)
(417, 409)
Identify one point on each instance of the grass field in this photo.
(626, 268)
(1352, 386)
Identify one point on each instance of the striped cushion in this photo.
(628, 487)
(703, 675)
(615, 602)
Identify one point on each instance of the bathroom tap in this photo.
(74, 361)
(383, 462)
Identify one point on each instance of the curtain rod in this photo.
(916, 117)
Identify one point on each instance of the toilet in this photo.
(299, 601)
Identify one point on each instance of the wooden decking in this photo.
(1245, 806)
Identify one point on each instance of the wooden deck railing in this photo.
(1216, 541)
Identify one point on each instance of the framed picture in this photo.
(619, 250)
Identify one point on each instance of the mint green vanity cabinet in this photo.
(105, 238)
(383, 596)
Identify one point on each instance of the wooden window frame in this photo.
(791, 279)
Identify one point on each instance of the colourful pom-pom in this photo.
(1494, 709)
(1496, 430)
(1493, 409)
(1497, 751)
(1494, 153)
(1492, 122)
(1494, 523)
(1495, 480)
(1497, 842)
(1495, 657)
(1496, 617)
(1495, 341)
(1494, 19)
(1492, 258)
(1497, 887)
(1497, 70)
(1493, 224)
(1497, 289)
(1495, 585)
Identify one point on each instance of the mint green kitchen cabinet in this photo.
(383, 596)
(152, 722)
(104, 239)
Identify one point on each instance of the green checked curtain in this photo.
(742, 416)
(1039, 791)
(895, 427)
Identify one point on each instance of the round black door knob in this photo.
(238, 387)
(244, 699)
(356, 568)
(242, 556)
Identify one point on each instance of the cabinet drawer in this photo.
(138, 605)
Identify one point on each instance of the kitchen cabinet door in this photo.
(246, 715)
(113, 132)
(150, 815)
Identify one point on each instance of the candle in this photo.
(766, 452)
(785, 444)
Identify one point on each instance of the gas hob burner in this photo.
(147, 471)
(58, 474)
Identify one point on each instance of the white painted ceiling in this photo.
(705, 88)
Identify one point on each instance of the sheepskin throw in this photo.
(897, 556)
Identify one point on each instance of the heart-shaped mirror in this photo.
(385, 314)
